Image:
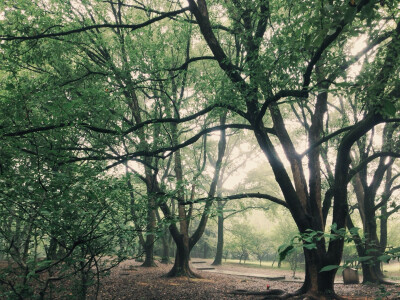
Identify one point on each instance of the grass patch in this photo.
(392, 270)
(264, 265)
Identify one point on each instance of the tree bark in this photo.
(220, 244)
(181, 265)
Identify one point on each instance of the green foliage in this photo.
(284, 251)
(73, 106)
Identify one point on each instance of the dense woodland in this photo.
(134, 128)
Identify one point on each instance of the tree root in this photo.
(149, 264)
(269, 294)
(380, 281)
(281, 294)
(187, 274)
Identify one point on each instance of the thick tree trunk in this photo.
(181, 265)
(220, 244)
(149, 252)
(317, 285)
(372, 272)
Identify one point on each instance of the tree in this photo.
(183, 240)
(233, 163)
(240, 242)
(60, 225)
(366, 193)
(279, 62)
(327, 31)
(260, 245)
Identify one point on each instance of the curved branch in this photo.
(190, 60)
(91, 27)
(171, 149)
(200, 12)
(185, 119)
(240, 196)
(366, 161)
(130, 130)
(277, 97)
(329, 39)
(326, 138)
(61, 125)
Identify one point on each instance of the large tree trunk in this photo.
(181, 265)
(319, 285)
(372, 272)
(149, 252)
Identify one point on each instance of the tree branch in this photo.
(240, 196)
(91, 27)
(329, 39)
(277, 97)
(365, 162)
(190, 60)
(170, 149)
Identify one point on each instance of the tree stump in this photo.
(350, 276)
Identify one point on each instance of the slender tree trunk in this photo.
(150, 238)
(165, 256)
(52, 249)
(220, 244)
(165, 247)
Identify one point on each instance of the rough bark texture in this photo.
(181, 265)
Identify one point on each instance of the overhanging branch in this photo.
(240, 196)
(96, 26)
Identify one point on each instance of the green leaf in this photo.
(394, 250)
(284, 250)
(364, 258)
(385, 258)
(389, 108)
(354, 230)
(329, 268)
(310, 246)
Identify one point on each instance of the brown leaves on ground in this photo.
(129, 281)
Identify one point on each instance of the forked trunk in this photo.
(181, 265)
(317, 285)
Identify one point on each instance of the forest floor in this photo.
(130, 281)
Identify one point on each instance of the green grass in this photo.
(392, 270)
(264, 265)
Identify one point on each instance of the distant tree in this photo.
(260, 245)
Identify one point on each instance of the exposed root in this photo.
(380, 281)
(281, 294)
(148, 264)
(269, 294)
(188, 274)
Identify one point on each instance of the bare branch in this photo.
(240, 196)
